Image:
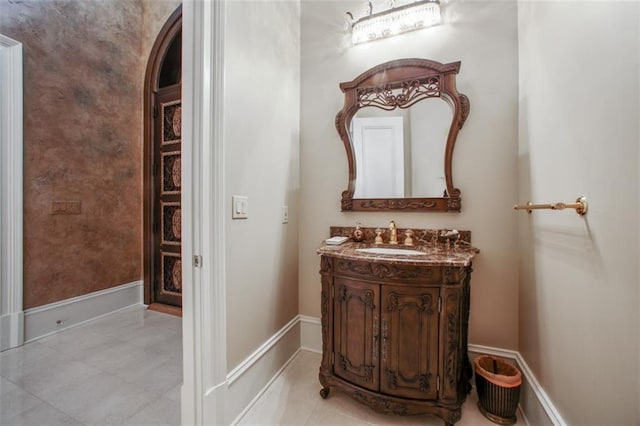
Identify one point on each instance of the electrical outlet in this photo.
(66, 207)
(285, 214)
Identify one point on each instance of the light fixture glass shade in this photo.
(411, 17)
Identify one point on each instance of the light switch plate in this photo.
(285, 214)
(239, 207)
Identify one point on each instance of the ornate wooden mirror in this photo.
(399, 125)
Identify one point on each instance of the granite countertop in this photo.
(437, 255)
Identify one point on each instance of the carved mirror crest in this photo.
(399, 125)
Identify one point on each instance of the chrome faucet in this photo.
(393, 239)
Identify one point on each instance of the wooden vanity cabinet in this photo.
(394, 336)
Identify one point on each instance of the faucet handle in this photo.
(378, 239)
(409, 240)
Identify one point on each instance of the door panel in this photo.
(356, 333)
(167, 209)
(379, 149)
(409, 340)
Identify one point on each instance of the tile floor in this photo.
(122, 369)
(293, 399)
(126, 369)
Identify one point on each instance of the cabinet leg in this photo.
(324, 392)
(451, 417)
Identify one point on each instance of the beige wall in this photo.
(579, 109)
(481, 34)
(261, 116)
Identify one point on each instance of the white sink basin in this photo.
(386, 250)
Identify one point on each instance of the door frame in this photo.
(11, 194)
(203, 222)
(152, 75)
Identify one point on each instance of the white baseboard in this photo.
(11, 330)
(44, 320)
(536, 408)
(251, 378)
(310, 334)
(263, 390)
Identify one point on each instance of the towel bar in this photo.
(580, 205)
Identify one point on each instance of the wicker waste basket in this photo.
(498, 384)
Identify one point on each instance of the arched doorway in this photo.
(162, 210)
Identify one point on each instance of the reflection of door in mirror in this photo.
(379, 151)
(400, 153)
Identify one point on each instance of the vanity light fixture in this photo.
(396, 20)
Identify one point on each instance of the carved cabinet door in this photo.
(409, 342)
(356, 332)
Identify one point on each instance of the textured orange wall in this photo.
(83, 137)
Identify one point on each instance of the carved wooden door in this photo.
(356, 332)
(167, 212)
(409, 342)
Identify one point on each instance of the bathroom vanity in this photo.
(395, 310)
(394, 323)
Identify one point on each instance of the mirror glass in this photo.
(399, 125)
(400, 153)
